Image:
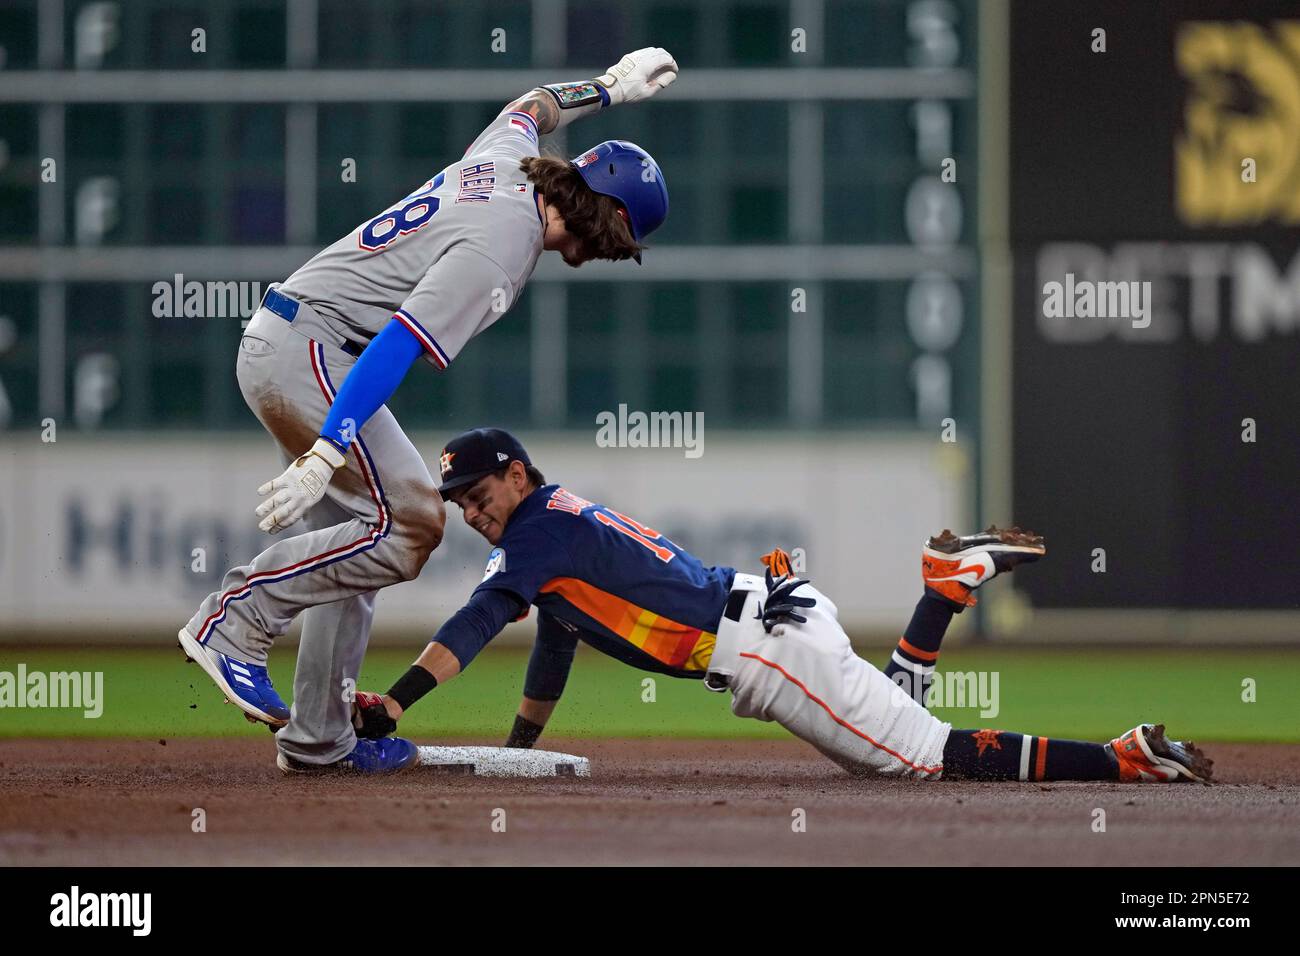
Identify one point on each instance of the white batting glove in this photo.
(640, 75)
(302, 485)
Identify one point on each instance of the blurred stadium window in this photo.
(813, 273)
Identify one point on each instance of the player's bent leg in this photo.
(396, 516)
(330, 652)
(807, 678)
(1143, 755)
(258, 601)
(952, 569)
(912, 663)
(384, 482)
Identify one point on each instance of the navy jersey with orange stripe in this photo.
(634, 594)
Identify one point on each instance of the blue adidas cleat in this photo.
(385, 755)
(247, 686)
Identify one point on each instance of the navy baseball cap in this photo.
(478, 452)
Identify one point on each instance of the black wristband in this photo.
(411, 686)
(524, 733)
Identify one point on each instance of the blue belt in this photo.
(287, 309)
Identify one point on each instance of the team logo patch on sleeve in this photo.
(496, 562)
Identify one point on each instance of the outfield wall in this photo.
(1158, 448)
(119, 538)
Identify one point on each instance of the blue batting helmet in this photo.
(629, 174)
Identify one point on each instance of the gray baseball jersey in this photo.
(447, 261)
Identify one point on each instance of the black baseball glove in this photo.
(370, 718)
(782, 604)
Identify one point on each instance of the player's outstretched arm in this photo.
(548, 672)
(457, 643)
(638, 76)
(530, 722)
(375, 716)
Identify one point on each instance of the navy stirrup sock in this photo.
(911, 666)
(1005, 755)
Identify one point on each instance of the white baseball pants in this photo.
(808, 679)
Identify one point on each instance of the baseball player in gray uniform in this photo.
(328, 347)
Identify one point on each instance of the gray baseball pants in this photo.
(377, 525)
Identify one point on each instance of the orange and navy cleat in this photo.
(1145, 756)
(954, 567)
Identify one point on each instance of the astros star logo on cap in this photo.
(445, 461)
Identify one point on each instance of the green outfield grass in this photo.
(1089, 694)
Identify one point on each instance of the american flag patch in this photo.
(524, 124)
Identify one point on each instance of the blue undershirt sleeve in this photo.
(371, 382)
(468, 630)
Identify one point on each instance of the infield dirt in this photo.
(125, 802)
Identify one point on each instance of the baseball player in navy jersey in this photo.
(600, 576)
(331, 344)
